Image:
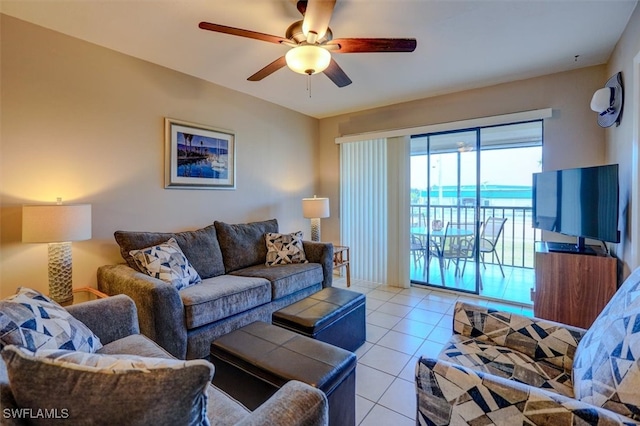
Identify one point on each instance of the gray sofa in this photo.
(114, 320)
(237, 287)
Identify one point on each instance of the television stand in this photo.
(572, 288)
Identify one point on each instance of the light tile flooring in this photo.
(402, 325)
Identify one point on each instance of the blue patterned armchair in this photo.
(504, 368)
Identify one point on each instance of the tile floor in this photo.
(402, 324)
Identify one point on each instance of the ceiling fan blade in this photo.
(316, 19)
(373, 45)
(301, 5)
(269, 69)
(242, 33)
(336, 74)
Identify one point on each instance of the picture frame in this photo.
(199, 156)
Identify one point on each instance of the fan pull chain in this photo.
(309, 85)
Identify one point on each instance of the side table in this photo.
(85, 294)
(340, 259)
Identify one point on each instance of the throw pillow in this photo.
(32, 320)
(200, 246)
(284, 248)
(107, 389)
(243, 245)
(168, 263)
(606, 371)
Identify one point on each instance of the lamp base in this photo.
(60, 283)
(315, 229)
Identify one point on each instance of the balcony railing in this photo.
(516, 244)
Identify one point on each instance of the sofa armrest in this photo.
(160, 309)
(295, 403)
(7, 401)
(8, 417)
(110, 319)
(540, 339)
(322, 253)
(453, 394)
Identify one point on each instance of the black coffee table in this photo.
(254, 361)
(332, 315)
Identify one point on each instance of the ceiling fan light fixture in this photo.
(308, 59)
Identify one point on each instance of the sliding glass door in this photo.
(444, 209)
(471, 208)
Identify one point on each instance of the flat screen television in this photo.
(581, 202)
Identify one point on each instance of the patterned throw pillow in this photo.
(30, 319)
(284, 248)
(109, 389)
(107, 363)
(168, 263)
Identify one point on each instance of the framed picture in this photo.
(199, 157)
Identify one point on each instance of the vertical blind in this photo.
(363, 207)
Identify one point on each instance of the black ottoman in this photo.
(253, 362)
(332, 315)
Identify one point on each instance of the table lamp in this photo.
(58, 225)
(315, 209)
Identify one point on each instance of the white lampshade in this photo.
(313, 208)
(308, 59)
(56, 223)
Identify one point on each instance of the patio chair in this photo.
(459, 245)
(418, 220)
(489, 239)
(418, 249)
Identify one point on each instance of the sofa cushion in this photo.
(244, 245)
(606, 370)
(200, 247)
(135, 344)
(32, 320)
(98, 389)
(540, 339)
(221, 297)
(167, 262)
(285, 279)
(507, 363)
(219, 405)
(284, 248)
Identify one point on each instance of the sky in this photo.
(498, 167)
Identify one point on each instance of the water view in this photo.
(209, 167)
(202, 157)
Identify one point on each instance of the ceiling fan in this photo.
(312, 42)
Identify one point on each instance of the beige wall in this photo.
(572, 137)
(622, 142)
(86, 124)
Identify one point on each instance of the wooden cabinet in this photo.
(572, 288)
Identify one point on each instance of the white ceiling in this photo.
(462, 44)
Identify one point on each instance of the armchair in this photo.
(501, 367)
(115, 321)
